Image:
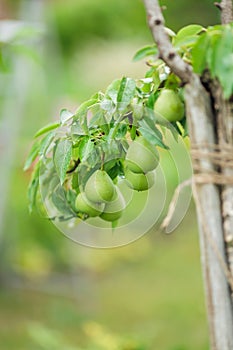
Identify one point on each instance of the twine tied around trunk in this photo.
(209, 164)
(212, 164)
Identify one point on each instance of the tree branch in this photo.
(226, 8)
(166, 51)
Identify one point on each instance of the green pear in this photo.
(141, 156)
(139, 182)
(169, 106)
(113, 210)
(100, 187)
(83, 205)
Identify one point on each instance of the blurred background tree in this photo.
(126, 298)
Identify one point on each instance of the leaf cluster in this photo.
(214, 51)
(205, 49)
(97, 136)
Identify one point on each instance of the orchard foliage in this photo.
(116, 134)
(16, 39)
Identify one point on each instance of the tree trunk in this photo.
(210, 121)
(224, 113)
(208, 203)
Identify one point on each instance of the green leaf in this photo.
(108, 105)
(226, 76)
(149, 50)
(65, 115)
(34, 152)
(172, 82)
(83, 108)
(212, 57)
(110, 149)
(175, 131)
(121, 132)
(49, 179)
(86, 146)
(114, 168)
(221, 60)
(146, 86)
(124, 145)
(112, 90)
(75, 182)
(199, 53)
(214, 50)
(62, 157)
(150, 72)
(169, 32)
(84, 172)
(183, 125)
(33, 187)
(99, 120)
(45, 143)
(151, 100)
(152, 137)
(75, 152)
(76, 129)
(156, 80)
(187, 35)
(71, 197)
(96, 119)
(152, 134)
(133, 132)
(104, 126)
(46, 128)
(60, 201)
(126, 92)
(81, 114)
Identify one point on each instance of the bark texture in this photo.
(166, 50)
(208, 204)
(210, 123)
(226, 8)
(224, 111)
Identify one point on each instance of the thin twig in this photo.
(212, 243)
(166, 50)
(173, 202)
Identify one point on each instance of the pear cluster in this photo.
(141, 159)
(101, 197)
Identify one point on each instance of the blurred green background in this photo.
(55, 294)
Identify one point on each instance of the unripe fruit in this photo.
(142, 156)
(139, 182)
(83, 205)
(100, 187)
(169, 106)
(113, 210)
